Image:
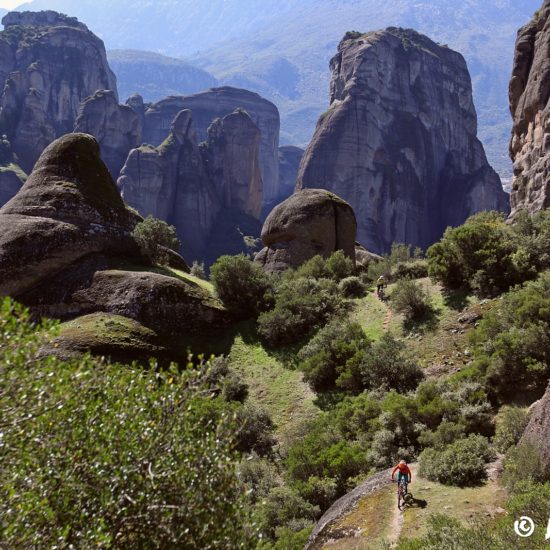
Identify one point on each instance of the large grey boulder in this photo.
(309, 223)
(398, 141)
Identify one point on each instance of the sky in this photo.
(9, 4)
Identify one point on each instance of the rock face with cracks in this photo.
(191, 185)
(398, 141)
(49, 63)
(529, 105)
(309, 223)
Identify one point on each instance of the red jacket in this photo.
(404, 469)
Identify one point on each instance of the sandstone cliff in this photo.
(116, 127)
(529, 95)
(217, 103)
(309, 223)
(66, 251)
(49, 64)
(189, 185)
(399, 140)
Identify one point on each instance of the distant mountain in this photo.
(156, 76)
(281, 48)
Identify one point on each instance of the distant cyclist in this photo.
(381, 285)
(403, 473)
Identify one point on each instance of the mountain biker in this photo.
(380, 284)
(404, 472)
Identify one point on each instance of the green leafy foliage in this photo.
(411, 299)
(461, 463)
(301, 307)
(352, 287)
(242, 285)
(153, 237)
(510, 425)
(512, 342)
(100, 455)
(521, 464)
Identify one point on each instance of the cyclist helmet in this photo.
(404, 462)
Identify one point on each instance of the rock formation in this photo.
(398, 141)
(189, 185)
(537, 432)
(217, 103)
(66, 250)
(309, 222)
(529, 95)
(11, 175)
(116, 127)
(49, 64)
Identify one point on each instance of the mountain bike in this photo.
(402, 492)
(381, 292)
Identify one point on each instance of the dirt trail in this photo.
(397, 516)
(389, 312)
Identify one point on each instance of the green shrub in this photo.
(100, 455)
(315, 268)
(258, 476)
(416, 269)
(301, 307)
(285, 506)
(411, 299)
(242, 285)
(153, 238)
(512, 342)
(352, 287)
(197, 270)
(255, 431)
(445, 434)
(387, 366)
(510, 425)
(462, 463)
(484, 254)
(521, 464)
(339, 266)
(328, 360)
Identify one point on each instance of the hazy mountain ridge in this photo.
(156, 76)
(281, 49)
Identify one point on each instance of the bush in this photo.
(339, 266)
(387, 366)
(510, 425)
(416, 269)
(462, 463)
(242, 285)
(153, 238)
(411, 299)
(328, 360)
(484, 255)
(521, 464)
(512, 342)
(100, 455)
(352, 287)
(197, 270)
(301, 307)
(315, 267)
(255, 432)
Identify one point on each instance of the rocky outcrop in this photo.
(398, 141)
(289, 163)
(66, 250)
(11, 180)
(116, 127)
(310, 222)
(537, 432)
(364, 258)
(50, 63)
(189, 185)
(217, 103)
(529, 105)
